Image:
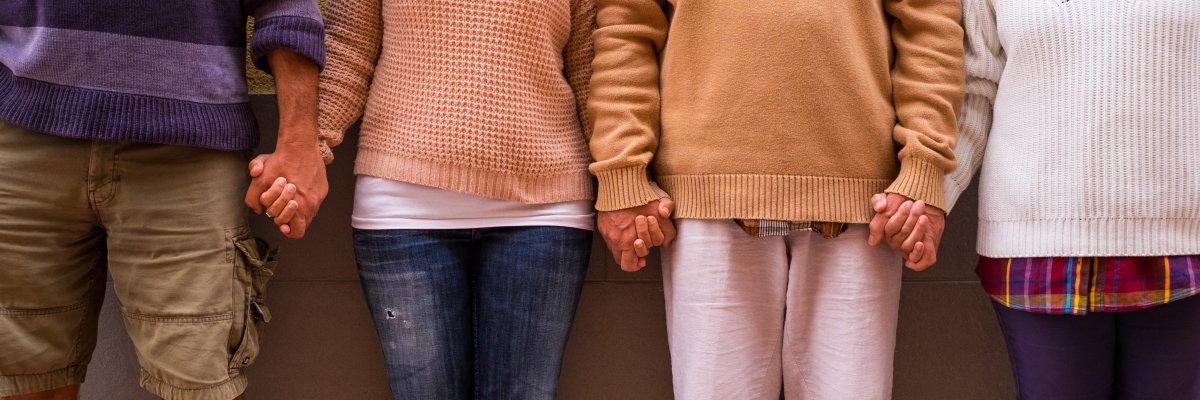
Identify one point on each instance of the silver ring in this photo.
(268, 213)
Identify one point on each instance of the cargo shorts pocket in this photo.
(255, 264)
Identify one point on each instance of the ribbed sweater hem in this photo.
(1111, 237)
(567, 186)
(776, 197)
(110, 116)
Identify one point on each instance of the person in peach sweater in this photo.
(473, 205)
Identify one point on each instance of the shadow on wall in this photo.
(321, 344)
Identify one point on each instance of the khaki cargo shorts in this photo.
(169, 225)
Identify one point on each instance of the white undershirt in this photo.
(381, 203)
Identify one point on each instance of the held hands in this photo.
(631, 232)
(912, 228)
(289, 185)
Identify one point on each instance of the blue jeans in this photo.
(473, 313)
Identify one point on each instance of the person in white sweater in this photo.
(1084, 116)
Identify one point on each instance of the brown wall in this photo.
(321, 345)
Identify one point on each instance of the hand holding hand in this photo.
(289, 185)
(631, 232)
(912, 228)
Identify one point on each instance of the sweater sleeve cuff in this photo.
(327, 138)
(954, 191)
(624, 188)
(305, 36)
(920, 180)
(326, 153)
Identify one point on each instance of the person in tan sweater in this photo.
(767, 122)
(473, 209)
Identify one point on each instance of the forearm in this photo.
(296, 90)
(985, 64)
(296, 157)
(354, 39)
(927, 85)
(624, 100)
(578, 56)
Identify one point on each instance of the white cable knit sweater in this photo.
(1085, 117)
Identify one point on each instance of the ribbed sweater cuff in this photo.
(624, 188)
(305, 36)
(920, 180)
(954, 191)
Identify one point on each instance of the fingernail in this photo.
(290, 188)
(280, 180)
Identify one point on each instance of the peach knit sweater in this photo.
(484, 97)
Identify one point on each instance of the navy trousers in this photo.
(1149, 354)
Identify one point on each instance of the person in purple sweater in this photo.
(125, 129)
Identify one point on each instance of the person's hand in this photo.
(924, 253)
(631, 232)
(278, 200)
(896, 219)
(303, 171)
(912, 228)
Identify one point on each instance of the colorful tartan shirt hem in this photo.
(1078, 285)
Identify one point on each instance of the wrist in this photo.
(298, 147)
(298, 134)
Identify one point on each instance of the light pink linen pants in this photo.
(746, 315)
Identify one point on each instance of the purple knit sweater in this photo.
(152, 71)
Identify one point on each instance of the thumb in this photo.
(875, 227)
(666, 206)
(257, 165)
(879, 202)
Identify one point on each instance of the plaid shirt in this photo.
(1078, 285)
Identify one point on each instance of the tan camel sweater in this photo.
(787, 110)
(479, 97)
